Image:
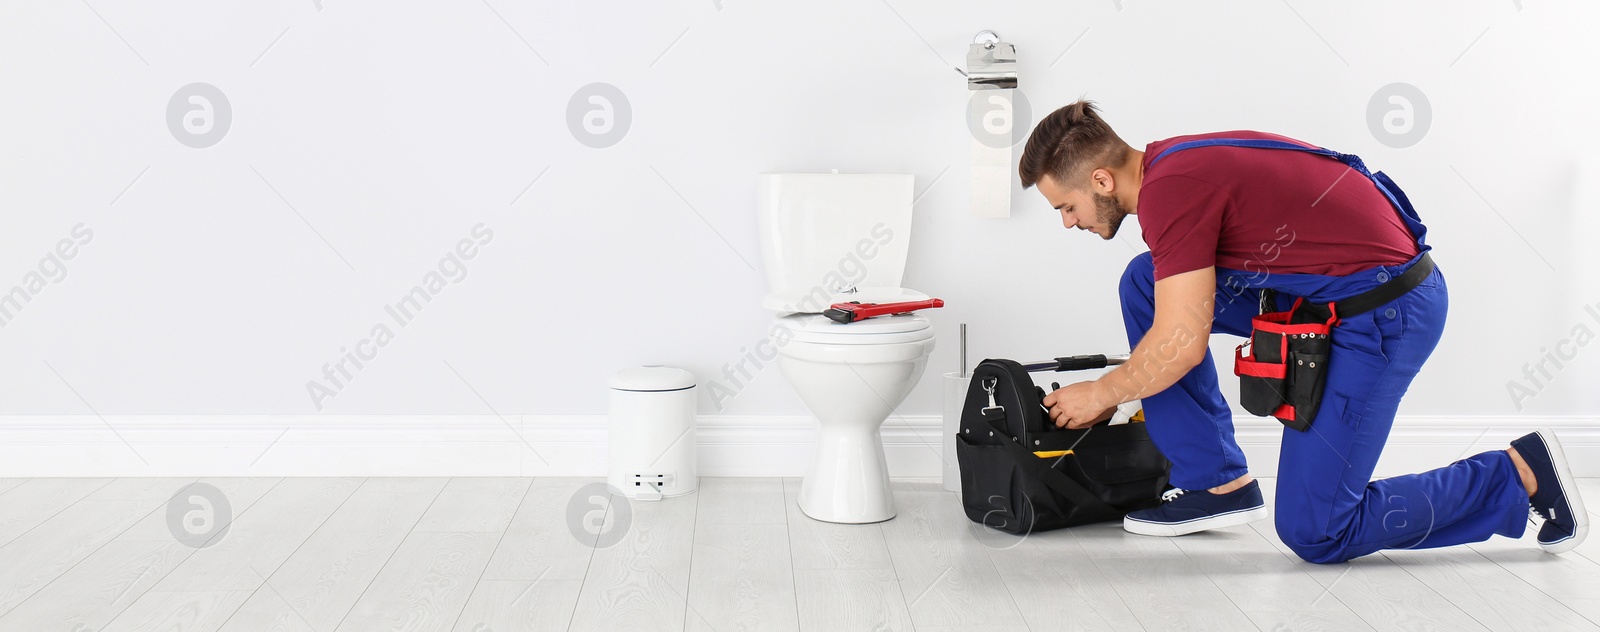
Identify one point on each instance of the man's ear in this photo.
(1102, 182)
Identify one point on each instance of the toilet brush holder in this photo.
(955, 397)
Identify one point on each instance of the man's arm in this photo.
(1177, 342)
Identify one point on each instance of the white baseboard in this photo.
(72, 445)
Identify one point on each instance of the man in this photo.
(1228, 216)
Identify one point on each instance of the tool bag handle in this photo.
(1076, 363)
(1095, 509)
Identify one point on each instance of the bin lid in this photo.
(652, 377)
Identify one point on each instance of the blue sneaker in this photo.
(1557, 500)
(1185, 511)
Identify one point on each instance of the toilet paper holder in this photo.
(992, 119)
(991, 63)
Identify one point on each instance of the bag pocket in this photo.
(1128, 477)
(1001, 495)
(1042, 509)
(1263, 374)
(989, 494)
(1308, 375)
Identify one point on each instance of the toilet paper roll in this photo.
(992, 167)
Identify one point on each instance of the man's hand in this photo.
(1079, 405)
(1175, 344)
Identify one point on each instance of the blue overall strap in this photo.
(1385, 185)
(1258, 143)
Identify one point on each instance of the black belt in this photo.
(1390, 290)
(1376, 297)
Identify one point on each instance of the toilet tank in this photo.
(821, 233)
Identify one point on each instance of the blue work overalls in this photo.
(1327, 508)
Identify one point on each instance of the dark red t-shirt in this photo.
(1264, 210)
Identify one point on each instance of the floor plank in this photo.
(1329, 621)
(1384, 595)
(1172, 594)
(839, 600)
(1491, 595)
(1565, 577)
(503, 606)
(188, 611)
(642, 581)
(259, 540)
(741, 501)
(538, 543)
(426, 584)
(96, 590)
(38, 499)
(741, 570)
(818, 545)
(1388, 598)
(945, 572)
(1589, 608)
(99, 588)
(266, 611)
(475, 505)
(741, 577)
(325, 576)
(7, 484)
(1258, 576)
(1109, 540)
(139, 489)
(1590, 488)
(240, 492)
(39, 556)
(1079, 595)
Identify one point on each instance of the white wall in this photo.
(391, 129)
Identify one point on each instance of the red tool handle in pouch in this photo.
(854, 311)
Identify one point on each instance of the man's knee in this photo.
(1141, 273)
(1311, 547)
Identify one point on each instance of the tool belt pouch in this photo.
(1286, 366)
(1110, 470)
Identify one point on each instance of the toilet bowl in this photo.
(851, 377)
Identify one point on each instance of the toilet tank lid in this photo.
(652, 378)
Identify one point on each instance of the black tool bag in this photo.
(1106, 471)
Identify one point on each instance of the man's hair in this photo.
(1068, 144)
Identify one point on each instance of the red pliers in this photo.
(856, 310)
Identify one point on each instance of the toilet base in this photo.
(808, 515)
(848, 481)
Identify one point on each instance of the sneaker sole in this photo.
(1569, 489)
(1244, 516)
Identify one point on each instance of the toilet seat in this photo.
(819, 329)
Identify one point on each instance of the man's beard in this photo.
(1109, 212)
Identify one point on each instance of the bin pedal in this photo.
(648, 486)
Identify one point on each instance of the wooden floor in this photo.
(498, 555)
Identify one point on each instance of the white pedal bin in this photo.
(651, 442)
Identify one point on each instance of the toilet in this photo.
(832, 238)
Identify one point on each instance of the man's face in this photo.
(1084, 208)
